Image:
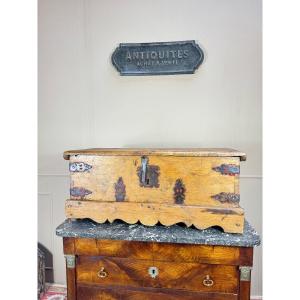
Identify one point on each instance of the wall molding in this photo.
(53, 175)
(44, 194)
(250, 176)
(52, 228)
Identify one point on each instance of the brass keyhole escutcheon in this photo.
(102, 273)
(207, 281)
(153, 272)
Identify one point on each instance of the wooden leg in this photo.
(71, 276)
(244, 290)
(245, 283)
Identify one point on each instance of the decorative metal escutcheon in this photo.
(245, 273)
(153, 272)
(148, 174)
(179, 191)
(120, 190)
(70, 261)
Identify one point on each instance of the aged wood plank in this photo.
(205, 152)
(201, 181)
(205, 181)
(135, 273)
(118, 293)
(231, 220)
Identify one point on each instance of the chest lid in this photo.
(201, 152)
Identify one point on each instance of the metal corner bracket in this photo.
(70, 261)
(245, 273)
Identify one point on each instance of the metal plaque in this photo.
(158, 58)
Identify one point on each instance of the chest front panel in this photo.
(173, 180)
(197, 187)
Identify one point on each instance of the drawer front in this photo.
(98, 293)
(205, 181)
(157, 274)
(163, 251)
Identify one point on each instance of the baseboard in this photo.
(64, 286)
(56, 285)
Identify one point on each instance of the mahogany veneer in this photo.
(116, 269)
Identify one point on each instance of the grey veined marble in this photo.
(119, 230)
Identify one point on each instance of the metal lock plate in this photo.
(153, 272)
(148, 174)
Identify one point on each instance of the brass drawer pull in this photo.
(207, 281)
(102, 273)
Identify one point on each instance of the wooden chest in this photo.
(112, 270)
(197, 187)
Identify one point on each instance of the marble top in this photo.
(119, 230)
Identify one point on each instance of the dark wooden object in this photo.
(115, 269)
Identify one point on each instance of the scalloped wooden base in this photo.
(230, 219)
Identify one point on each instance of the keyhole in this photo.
(153, 272)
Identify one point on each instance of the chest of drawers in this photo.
(197, 187)
(121, 261)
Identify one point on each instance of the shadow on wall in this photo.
(49, 276)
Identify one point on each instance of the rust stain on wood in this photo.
(221, 211)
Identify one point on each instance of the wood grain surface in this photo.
(129, 272)
(181, 270)
(205, 152)
(245, 289)
(231, 220)
(169, 252)
(200, 180)
(118, 293)
(69, 245)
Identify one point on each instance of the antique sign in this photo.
(158, 58)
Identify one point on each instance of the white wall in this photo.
(83, 102)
